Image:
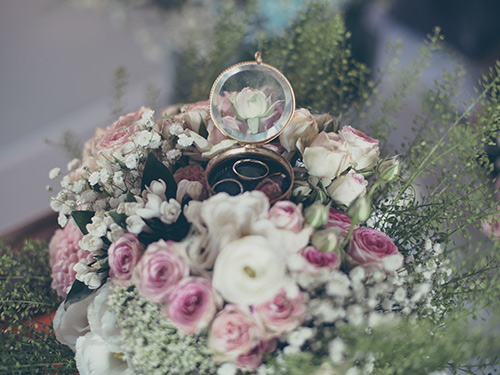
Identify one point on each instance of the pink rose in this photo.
(192, 304)
(363, 149)
(233, 332)
(123, 255)
(340, 222)
(64, 253)
(317, 260)
(163, 265)
(115, 136)
(281, 314)
(373, 250)
(326, 157)
(287, 215)
(251, 360)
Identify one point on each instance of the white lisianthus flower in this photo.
(93, 357)
(152, 207)
(135, 224)
(97, 227)
(170, 211)
(91, 243)
(346, 188)
(248, 271)
(93, 279)
(157, 187)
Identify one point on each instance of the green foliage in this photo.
(26, 345)
(446, 187)
(196, 72)
(315, 56)
(25, 281)
(425, 346)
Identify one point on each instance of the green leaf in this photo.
(82, 218)
(203, 129)
(78, 292)
(119, 219)
(156, 170)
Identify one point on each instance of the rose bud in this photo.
(325, 240)
(316, 215)
(389, 169)
(360, 210)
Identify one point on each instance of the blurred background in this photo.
(58, 62)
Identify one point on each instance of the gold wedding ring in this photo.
(228, 185)
(250, 169)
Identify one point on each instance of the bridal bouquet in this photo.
(248, 234)
(162, 277)
(166, 269)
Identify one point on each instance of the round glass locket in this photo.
(251, 102)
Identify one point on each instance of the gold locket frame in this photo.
(247, 89)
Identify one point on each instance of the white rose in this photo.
(248, 271)
(300, 132)
(93, 357)
(327, 157)
(249, 103)
(363, 149)
(345, 189)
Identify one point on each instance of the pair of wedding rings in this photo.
(251, 170)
